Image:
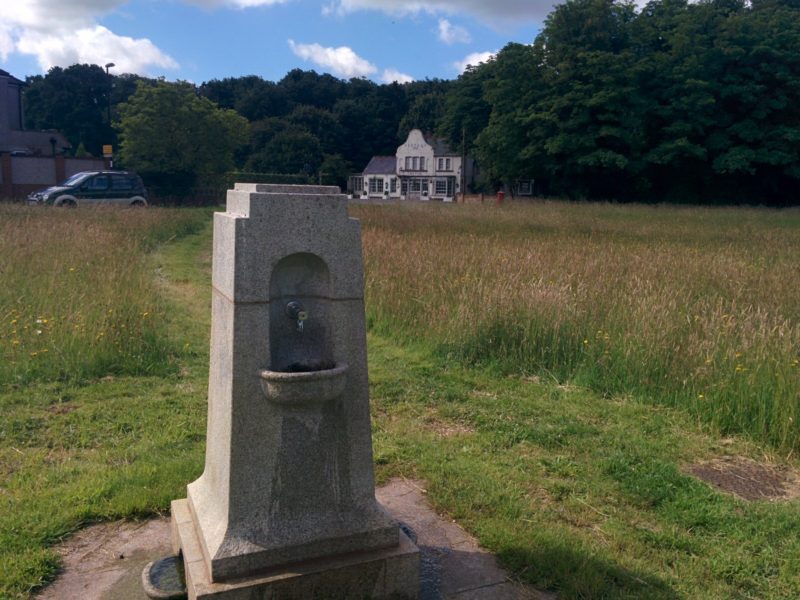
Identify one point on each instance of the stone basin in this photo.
(304, 388)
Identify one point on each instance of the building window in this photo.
(356, 184)
(446, 164)
(375, 185)
(404, 186)
(393, 185)
(444, 186)
(415, 163)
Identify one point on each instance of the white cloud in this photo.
(473, 59)
(453, 34)
(392, 75)
(95, 45)
(341, 61)
(6, 41)
(64, 32)
(495, 12)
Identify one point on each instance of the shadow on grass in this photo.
(573, 573)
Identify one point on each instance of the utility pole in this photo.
(463, 163)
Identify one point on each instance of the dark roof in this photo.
(439, 145)
(10, 76)
(381, 165)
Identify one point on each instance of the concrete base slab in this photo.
(105, 561)
(392, 573)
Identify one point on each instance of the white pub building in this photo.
(422, 169)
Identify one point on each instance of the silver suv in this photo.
(90, 187)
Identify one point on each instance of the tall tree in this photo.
(177, 139)
(320, 123)
(74, 101)
(505, 149)
(424, 113)
(466, 111)
(290, 151)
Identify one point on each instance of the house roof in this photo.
(10, 76)
(439, 145)
(381, 165)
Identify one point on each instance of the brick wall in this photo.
(21, 175)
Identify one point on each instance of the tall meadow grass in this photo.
(692, 307)
(78, 298)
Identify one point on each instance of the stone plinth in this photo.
(391, 573)
(288, 484)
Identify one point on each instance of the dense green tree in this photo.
(264, 130)
(587, 125)
(311, 88)
(466, 111)
(74, 101)
(290, 151)
(688, 102)
(250, 96)
(503, 147)
(177, 139)
(320, 123)
(335, 170)
(424, 113)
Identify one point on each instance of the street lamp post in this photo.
(110, 86)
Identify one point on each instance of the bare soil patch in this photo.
(448, 429)
(749, 479)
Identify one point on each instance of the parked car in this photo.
(90, 187)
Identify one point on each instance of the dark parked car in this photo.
(90, 187)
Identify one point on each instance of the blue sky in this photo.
(200, 40)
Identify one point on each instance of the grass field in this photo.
(688, 307)
(539, 367)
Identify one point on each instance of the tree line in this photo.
(676, 101)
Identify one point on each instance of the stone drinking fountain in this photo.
(285, 507)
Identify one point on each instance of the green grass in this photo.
(689, 307)
(575, 492)
(76, 449)
(581, 492)
(77, 300)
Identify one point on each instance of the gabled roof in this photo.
(439, 145)
(381, 165)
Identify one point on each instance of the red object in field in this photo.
(500, 197)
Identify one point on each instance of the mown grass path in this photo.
(577, 493)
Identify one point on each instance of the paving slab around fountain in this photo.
(105, 561)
